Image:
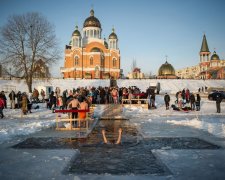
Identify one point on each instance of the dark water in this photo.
(133, 155)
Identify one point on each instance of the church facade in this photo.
(209, 67)
(89, 56)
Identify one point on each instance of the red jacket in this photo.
(2, 104)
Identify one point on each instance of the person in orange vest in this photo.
(82, 115)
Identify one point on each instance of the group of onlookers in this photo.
(83, 97)
(185, 100)
(17, 100)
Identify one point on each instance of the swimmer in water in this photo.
(118, 140)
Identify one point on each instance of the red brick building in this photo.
(89, 56)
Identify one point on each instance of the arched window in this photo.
(97, 34)
(76, 61)
(91, 60)
(114, 45)
(102, 59)
(114, 62)
(76, 42)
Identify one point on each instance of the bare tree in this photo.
(23, 41)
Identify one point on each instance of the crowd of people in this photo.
(185, 100)
(17, 101)
(83, 98)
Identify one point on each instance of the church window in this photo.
(76, 61)
(97, 34)
(76, 42)
(114, 62)
(114, 45)
(102, 60)
(91, 60)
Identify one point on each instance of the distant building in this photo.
(89, 56)
(136, 74)
(188, 72)
(208, 67)
(166, 71)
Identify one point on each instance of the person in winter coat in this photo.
(24, 103)
(152, 101)
(192, 101)
(218, 101)
(35, 95)
(187, 95)
(167, 101)
(60, 102)
(53, 102)
(114, 94)
(198, 100)
(179, 100)
(2, 105)
(4, 98)
(12, 97)
(19, 99)
(43, 95)
(64, 98)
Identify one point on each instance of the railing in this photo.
(139, 102)
(81, 124)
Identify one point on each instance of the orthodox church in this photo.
(209, 67)
(88, 56)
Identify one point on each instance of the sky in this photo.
(148, 30)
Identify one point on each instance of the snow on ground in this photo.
(16, 124)
(206, 119)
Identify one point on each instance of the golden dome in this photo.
(113, 34)
(215, 56)
(76, 32)
(92, 21)
(166, 69)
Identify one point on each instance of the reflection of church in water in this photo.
(89, 56)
